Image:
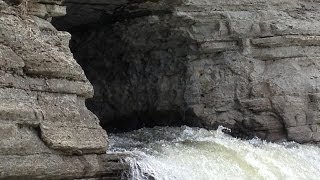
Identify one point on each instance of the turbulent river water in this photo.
(185, 153)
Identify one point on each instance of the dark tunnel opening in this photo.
(171, 63)
(134, 62)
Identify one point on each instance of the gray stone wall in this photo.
(45, 128)
(256, 71)
(248, 65)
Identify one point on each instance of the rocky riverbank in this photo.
(252, 66)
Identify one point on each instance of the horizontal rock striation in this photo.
(257, 72)
(249, 65)
(45, 128)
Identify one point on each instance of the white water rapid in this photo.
(167, 153)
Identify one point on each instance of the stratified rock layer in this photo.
(252, 66)
(46, 131)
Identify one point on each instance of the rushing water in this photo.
(186, 153)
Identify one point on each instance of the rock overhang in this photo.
(243, 56)
(250, 65)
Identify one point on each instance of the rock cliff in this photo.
(249, 65)
(45, 128)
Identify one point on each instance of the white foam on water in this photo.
(168, 153)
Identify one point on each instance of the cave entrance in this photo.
(131, 58)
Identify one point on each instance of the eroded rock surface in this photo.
(45, 128)
(249, 65)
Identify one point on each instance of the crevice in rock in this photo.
(13, 2)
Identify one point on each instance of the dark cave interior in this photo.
(127, 56)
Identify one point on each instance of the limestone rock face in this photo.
(45, 128)
(250, 65)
